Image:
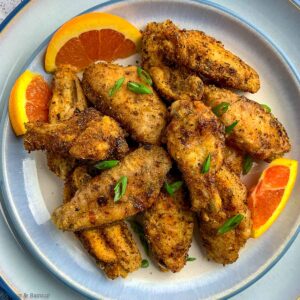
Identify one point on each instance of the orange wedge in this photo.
(270, 195)
(28, 101)
(91, 37)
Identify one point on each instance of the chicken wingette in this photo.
(257, 132)
(171, 82)
(112, 246)
(168, 226)
(195, 140)
(142, 115)
(205, 55)
(67, 98)
(224, 248)
(233, 159)
(144, 170)
(86, 135)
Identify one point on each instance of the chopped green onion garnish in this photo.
(144, 263)
(247, 164)
(173, 187)
(206, 164)
(120, 188)
(144, 75)
(106, 164)
(138, 88)
(220, 109)
(266, 108)
(228, 129)
(144, 244)
(231, 224)
(191, 258)
(116, 87)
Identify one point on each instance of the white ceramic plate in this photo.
(30, 198)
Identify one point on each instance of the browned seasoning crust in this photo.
(172, 82)
(86, 135)
(194, 133)
(258, 132)
(142, 115)
(224, 248)
(168, 226)
(233, 159)
(112, 246)
(204, 54)
(94, 204)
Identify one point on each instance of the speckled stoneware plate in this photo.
(31, 192)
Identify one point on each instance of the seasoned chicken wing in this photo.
(112, 246)
(168, 228)
(233, 159)
(142, 115)
(68, 96)
(224, 248)
(94, 205)
(87, 135)
(195, 136)
(258, 132)
(203, 54)
(172, 82)
(67, 99)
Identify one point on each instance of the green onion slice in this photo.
(247, 164)
(191, 258)
(144, 75)
(231, 224)
(144, 263)
(173, 187)
(206, 164)
(106, 164)
(220, 109)
(116, 87)
(120, 188)
(138, 88)
(266, 108)
(228, 129)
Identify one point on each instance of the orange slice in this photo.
(28, 101)
(91, 37)
(270, 195)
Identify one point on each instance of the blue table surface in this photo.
(283, 281)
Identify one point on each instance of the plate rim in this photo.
(28, 243)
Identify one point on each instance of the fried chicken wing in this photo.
(168, 228)
(193, 135)
(87, 135)
(142, 115)
(258, 132)
(171, 82)
(233, 159)
(112, 246)
(224, 248)
(94, 205)
(67, 99)
(205, 55)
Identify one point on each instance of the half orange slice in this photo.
(270, 195)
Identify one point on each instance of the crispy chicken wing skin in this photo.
(143, 116)
(224, 248)
(176, 83)
(170, 81)
(258, 132)
(93, 205)
(67, 99)
(112, 246)
(203, 54)
(193, 134)
(68, 96)
(233, 159)
(168, 228)
(87, 135)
